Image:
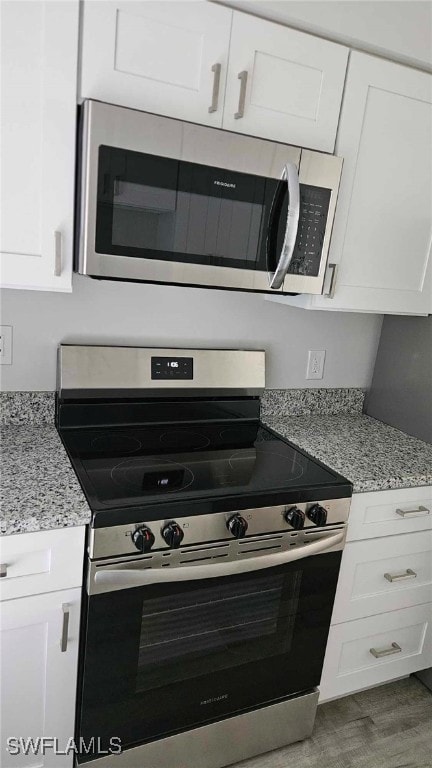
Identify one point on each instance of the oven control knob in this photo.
(317, 514)
(238, 526)
(143, 539)
(295, 518)
(173, 535)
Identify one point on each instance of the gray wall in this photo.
(401, 392)
(122, 313)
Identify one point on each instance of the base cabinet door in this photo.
(169, 58)
(283, 84)
(39, 655)
(39, 52)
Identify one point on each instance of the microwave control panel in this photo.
(314, 205)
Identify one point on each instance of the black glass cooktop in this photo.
(147, 466)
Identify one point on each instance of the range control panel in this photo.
(172, 368)
(164, 534)
(314, 205)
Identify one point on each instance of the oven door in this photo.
(168, 649)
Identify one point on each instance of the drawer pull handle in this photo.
(216, 69)
(3, 570)
(65, 629)
(408, 574)
(419, 512)
(380, 652)
(242, 76)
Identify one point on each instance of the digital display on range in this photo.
(172, 368)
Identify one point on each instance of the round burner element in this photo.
(145, 475)
(184, 440)
(116, 443)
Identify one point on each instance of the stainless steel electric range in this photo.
(212, 563)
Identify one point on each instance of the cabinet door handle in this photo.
(3, 570)
(419, 512)
(216, 68)
(57, 253)
(380, 652)
(331, 290)
(242, 76)
(65, 628)
(408, 574)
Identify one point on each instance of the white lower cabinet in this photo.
(381, 626)
(39, 656)
(40, 601)
(374, 650)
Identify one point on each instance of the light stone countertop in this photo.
(38, 487)
(40, 491)
(372, 455)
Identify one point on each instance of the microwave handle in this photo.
(289, 174)
(119, 576)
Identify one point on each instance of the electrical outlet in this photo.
(5, 345)
(315, 365)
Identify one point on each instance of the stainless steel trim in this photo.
(419, 512)
(408, 574)
(129, 368)
(65, 627)
(330, 291)
(290, 174)
(3, 570)
(216, 68)
(380, 652)
(142, 132)
(229, 560)
(242, 76)
(57, 253)
(227, 741)
(116, 540)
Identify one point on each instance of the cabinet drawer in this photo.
(377, 649)
(384, 575)
(383, 513)
(41, 562)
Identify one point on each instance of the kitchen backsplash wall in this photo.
(105, 312)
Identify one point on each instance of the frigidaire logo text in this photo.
(213, 699)
(225, 184)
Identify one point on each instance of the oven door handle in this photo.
(289, 174)
(119, 576)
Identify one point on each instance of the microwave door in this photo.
(290, 176)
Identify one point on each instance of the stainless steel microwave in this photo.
(165, 201)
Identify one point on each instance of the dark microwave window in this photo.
(161, 208)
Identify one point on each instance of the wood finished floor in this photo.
(386, 727)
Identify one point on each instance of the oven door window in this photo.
(215, 628)
(160, 208)
(167, 657)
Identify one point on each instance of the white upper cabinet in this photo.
(39, 49)
(382, 234)
(283, 85)
(164, 57)
(176, 59)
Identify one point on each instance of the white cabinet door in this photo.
(39, 676)
(383, 226)
(293, 86)
(39, 50)
(164, 57)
